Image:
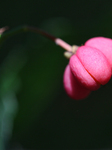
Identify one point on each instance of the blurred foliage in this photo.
(35, 112)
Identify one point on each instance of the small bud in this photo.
(74, 48)
(68, 54)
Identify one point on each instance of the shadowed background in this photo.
(42, 116)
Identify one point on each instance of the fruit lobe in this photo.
(72, 86)
(103, 44)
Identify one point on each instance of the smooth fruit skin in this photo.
(91, 67)
(72, 86)
(103, 44)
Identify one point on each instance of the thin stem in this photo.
(63, 44)
(36, 30)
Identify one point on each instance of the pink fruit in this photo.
(91, 67)
(72, 86)
(103, 44)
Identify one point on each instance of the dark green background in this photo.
(47, 118)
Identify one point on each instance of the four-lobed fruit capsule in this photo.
(90, 67)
